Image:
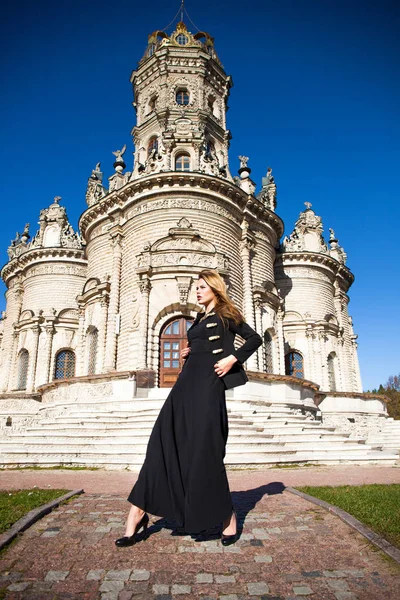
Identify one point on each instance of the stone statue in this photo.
(332, 237)
(119, 154)
(243, 161)
(270, 177)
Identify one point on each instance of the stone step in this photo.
(240, 460)
(106, 445)
(119, 446)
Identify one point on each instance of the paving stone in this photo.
(356, 573)
(122, 575)
(95, 574)
(247, 536)
(345, 596)
(103, 529)
(338, 584)
(302, 590)
(56, 575)
(49, 534)
(263, 558)
(228, 597)
(140, 575)
(224, 578)
(334, 573)
(110, 596)
(163, 597)
(194, 549)
(257, 588)
(180, 589)
(261, 534)
(125, 595)
(160, 588)
(20, 586)
(204, 578)
(273, 530)
(311, 573)
(112, 586)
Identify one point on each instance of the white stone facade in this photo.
(104, 296)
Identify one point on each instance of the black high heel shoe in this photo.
(130, 540)
(227, 540)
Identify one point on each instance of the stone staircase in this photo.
(114, 435)
(389, 437)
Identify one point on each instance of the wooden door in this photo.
(173, 339)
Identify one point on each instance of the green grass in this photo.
(377, 506)
(17, 503)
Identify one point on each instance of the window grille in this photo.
(294, 364)
(181, 39)
(182, 162)
(268, 353)
(23, 364)
(93, 337)
(65, 365)
(182, 97)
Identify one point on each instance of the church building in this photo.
(119, 295)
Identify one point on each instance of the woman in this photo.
(184, 475)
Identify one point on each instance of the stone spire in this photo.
(181, 92)
(268, 192)
(55, 231)
(336, 251)
(95, 190)
(307, 234)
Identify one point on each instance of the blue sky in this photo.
(316, 96)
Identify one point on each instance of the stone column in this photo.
(280, 340)
(102, 332)
(246, 245)
(110, 359)
(80, 362)
(10, 363)
(258, 304)
(49, 329)
(30, 386)
(12, 373)
(145, 287)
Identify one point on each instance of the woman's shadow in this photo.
(243, 502)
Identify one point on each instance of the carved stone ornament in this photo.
(268, 192)
(55, 231)
(184, 248)
(307, 234)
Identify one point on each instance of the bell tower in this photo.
(180, 97)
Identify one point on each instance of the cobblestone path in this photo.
(289, 549)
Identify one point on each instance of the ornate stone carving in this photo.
(95, 190)
(268, 192)
(307, 234)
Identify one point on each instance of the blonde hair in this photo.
(223, 304)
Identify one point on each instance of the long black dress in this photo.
(183, 476)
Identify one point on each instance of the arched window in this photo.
(92, 340)
(152, 145)
(182, 97)
(331, 372)
(23, 364)
(268, 353)
(181, 39)
(152, 103)
(65, 364)
(294, 364)
(182, 162)
(172, 340)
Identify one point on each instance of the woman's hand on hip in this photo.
(223, 366)
(185, 352)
